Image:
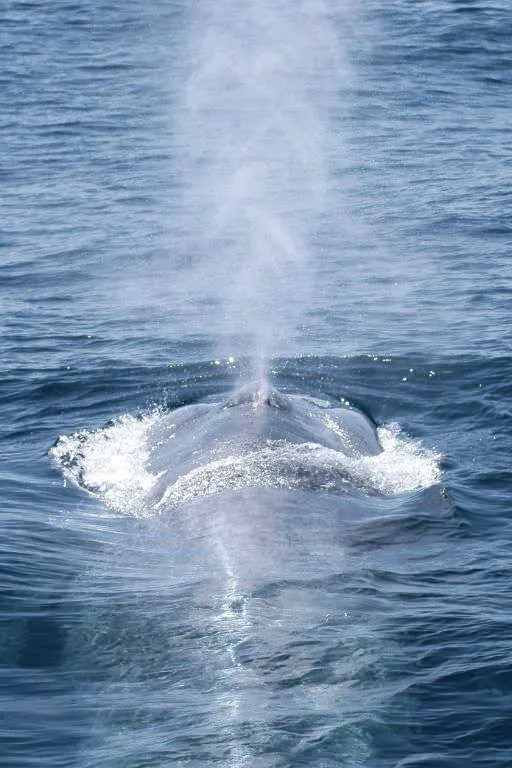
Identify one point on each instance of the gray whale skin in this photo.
(258, 415)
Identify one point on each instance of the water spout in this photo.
(254, 134)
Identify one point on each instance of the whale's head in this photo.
(257, 432)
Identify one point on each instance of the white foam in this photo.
(112, 464)
(404, 464)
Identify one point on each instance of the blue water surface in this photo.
(390, 643)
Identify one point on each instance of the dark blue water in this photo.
(377, 632)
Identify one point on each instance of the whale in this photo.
(225, 625)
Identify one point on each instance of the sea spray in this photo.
(252, 128)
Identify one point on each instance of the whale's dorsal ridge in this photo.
(259, 395)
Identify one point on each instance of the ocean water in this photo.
(194, 195)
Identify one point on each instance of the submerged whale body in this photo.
(256, 427)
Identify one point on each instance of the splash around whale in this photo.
(256, 437)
